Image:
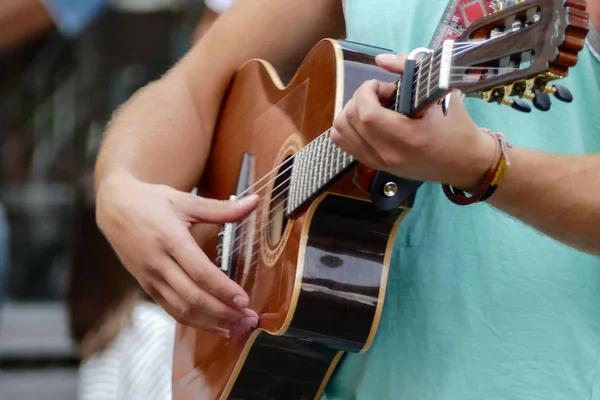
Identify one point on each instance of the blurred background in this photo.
(60, 80)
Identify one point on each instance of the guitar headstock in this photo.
(517, 51)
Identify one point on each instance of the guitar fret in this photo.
(293, 196)
(326, 157)
(331, 160)
(319, 172)
(313, 171)
(323, 146)
(429, 68)
(419, 69)
(305, 172)
(302, 178)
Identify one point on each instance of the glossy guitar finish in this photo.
(325, 279)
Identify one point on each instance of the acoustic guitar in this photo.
(314, 256)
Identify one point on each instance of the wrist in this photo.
(115, 178)
(478, 161)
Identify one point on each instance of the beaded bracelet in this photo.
(491, 179)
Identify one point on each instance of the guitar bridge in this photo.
(230, 234)
(225, 249)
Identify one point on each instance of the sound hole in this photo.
(279, 196)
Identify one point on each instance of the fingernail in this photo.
(248, 312)
(387, 57)
(244, 201)
(240, 301)
(246, 323)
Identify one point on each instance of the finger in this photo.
(180, 309)
(385, 91)
(345, 136)
(203, 272)
(392, 62)
(167, 301)
(347, 143)
(196, 208)
(200, 303)
(367, 102)
(372, 120)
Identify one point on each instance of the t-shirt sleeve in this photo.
(73, 16)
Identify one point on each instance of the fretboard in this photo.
(316, 166)
(321, 162)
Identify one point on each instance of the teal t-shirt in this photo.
(479, 305)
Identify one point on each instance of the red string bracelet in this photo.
(491, 179)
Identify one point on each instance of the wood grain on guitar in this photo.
(314, 256)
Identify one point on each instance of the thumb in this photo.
(392, 62)
(201, 209)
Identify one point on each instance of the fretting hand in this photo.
(449, 149)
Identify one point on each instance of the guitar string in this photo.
(252, 257)
(337, 163)
(437, 53)
(242, 224)
(291, 157)
(263, 199)
(456, 46)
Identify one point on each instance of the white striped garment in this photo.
(137, 365)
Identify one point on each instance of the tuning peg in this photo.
(541, 101)
(560, 92)
(516, 104)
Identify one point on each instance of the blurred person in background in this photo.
(123, 338)
(24, 20)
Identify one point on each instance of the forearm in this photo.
(163, 134)
(157, 137)
(21, 20)
(558, 195)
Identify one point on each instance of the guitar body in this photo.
(317, 279)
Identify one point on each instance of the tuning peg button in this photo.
(560, 92)
(520, 105)
(516, 104)
(541, 101)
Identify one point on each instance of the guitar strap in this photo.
(459, 14)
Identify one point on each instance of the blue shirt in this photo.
(480, 306)
(73, 16)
